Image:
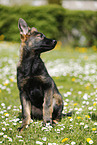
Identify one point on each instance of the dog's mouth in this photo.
(49, 44)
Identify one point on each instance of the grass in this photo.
(75, 73)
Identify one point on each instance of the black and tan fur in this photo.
(39, 95)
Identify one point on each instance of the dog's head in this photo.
(34, 39)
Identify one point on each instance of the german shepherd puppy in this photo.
(39, 95)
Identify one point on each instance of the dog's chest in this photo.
(35, 92)
(33, 86)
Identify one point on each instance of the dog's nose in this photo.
(55, 42)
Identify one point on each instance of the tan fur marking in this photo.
(47, 105)
(24, 81)
(30, 44)
(26, 108)
(33, 29)
(58, 99)
(55, 121)
(41, 78)
(21, 53)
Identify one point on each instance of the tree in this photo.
(59, 2)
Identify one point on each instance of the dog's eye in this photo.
(40, 36)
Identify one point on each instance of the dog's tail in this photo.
(69, 114)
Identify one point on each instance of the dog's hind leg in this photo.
(48, 106)
(57, 106)
(26, 111)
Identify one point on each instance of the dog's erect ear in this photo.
(33, 29)
(23, 27)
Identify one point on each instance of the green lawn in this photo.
(75, 73)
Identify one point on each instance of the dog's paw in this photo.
(44, 123)
(20, 129)
(55, 122)
(47, 121)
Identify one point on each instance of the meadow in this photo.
(75, 72)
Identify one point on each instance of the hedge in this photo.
(47, 19)
(81, 27)
(74, 27)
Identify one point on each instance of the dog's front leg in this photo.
(26, 111)
(48, 106)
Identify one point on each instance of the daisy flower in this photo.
(86, 126)
(95, 123)
(5, 136)
(6, 114)
(44, 138)
(38, 142)
(3, 129)
(2, 104)
(1, 133)
(20, 140)
(89, 140)
(72, 143)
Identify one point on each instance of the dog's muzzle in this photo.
(54, 42)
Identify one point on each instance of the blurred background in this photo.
(69, 4)
(72, 64)
(71, 22)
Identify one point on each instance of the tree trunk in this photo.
(59, 2)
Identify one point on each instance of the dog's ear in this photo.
(33, 29)
(23, 27)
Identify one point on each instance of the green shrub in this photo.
(81, 27)
(47, 19)
(78, 28)
(59, 2)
